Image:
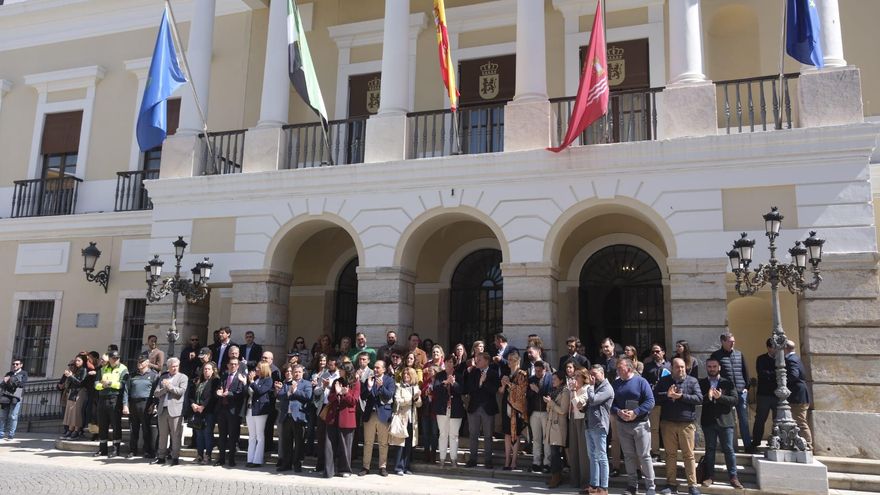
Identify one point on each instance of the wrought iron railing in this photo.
(755, 103)
(224, 152)
(131, 195)
(472, 130)
(44, 197)
(632, 116)
(41, 400)
(307, 147)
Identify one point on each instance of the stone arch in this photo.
(460, 254)
(609, 240)
(587, 210)
(413, 238)
(290, 237)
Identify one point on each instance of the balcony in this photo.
(224, 152)
(743, 104)
(45, 197)
(306, 147)
(472, 130)
(131, 195)
(632, 116)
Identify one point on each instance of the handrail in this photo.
(307, 147)
(225, 153)
(749, 113)
(131, 195)
(45, 196)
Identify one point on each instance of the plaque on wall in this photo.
(363, 94)
(628, 64)
(487, 80)
(87, 320)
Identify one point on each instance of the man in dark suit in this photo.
(220, 349)
(799, 400)
(499, 360)
(481, 386)
(578, 359)
(298, 395)
(765, 368)
(251, 352)
(539, 387)
(717, 420)
(378, 396)
(232, 393)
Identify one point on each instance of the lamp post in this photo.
(90, 258)
(785, 441)
(194, 290)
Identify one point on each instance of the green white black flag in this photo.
(302, 71)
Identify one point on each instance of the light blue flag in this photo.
(164, 78)
(802, 40)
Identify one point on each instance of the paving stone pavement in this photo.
(31, 465)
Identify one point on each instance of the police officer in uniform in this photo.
(112, 397)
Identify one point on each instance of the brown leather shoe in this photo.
(555, 480)
(734, 482)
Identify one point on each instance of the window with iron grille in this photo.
(33, 335)
(132, 331)
(476, 298)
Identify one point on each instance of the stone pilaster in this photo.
(530, 300)
(830, 97)
(386, 296)
(191, 319)
(698, 301)
(260, 303)
(182, 156)
(199, 51)
(264, 149)
(840, 324)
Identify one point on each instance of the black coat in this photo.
(765, 368)
(733, 367)
(442, 394)
(718, 412)
(797, 380)
(579, 360)
(234, 402)
(482, 396)
(208, 398)
(253, 358)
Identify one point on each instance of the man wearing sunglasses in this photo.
(11, 390)
(189, 356)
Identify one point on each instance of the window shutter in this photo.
(61, 133)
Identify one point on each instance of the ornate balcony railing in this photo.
(753, 104)
(632, 116)
(307, 148)
(479, 129)
(41, 400)
(44, 197)
(131, 195)
(224, 152)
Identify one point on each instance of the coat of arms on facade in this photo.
(616, 66)
(489, 81)
(374, 87)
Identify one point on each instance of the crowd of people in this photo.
(338, 401)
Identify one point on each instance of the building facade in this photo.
(455, 228)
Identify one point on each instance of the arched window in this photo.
(476, 298)
(345, 317)
(621, 296)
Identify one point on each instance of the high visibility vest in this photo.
(114, 374)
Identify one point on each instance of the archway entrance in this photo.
(621, 296)
(476, 298)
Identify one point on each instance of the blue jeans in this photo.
(205, 436)
(742, 414)
(712, 434)
(9, 416)
(404, 452)
(596, 442)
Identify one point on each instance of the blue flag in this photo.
(164, 78)
(802, 32)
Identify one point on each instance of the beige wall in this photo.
(751, 321)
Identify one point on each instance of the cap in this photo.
(113, 355)
(204, 351)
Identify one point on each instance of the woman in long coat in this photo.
(556, 429)
(407, 400)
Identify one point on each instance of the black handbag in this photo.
(701, 469)
(197, 422)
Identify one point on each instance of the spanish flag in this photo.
(446, 68)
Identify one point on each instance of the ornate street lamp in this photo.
(194, 290)
(792, 276)
(90, 258)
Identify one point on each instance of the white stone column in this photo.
(698, 302)
(527, 118)
(386, 131)
(687, 106)
(386, 297)
(275, 99)
(265, 144)
(685, 42)
(198, 54)
(260, 301)
(530, 304)
(832, 40)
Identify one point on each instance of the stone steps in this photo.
(852, 481)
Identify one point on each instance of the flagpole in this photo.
(327, 144)
(192, 86)
(605, 37)
(778, 110)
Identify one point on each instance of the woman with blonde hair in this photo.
(632, 353)
(259, 383)
(407, 400)
(577, 433)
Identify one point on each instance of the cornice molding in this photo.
(36, 23)
(128, 223)
(579, 7)
(486, 15)
(371, 32)
(66, 79)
